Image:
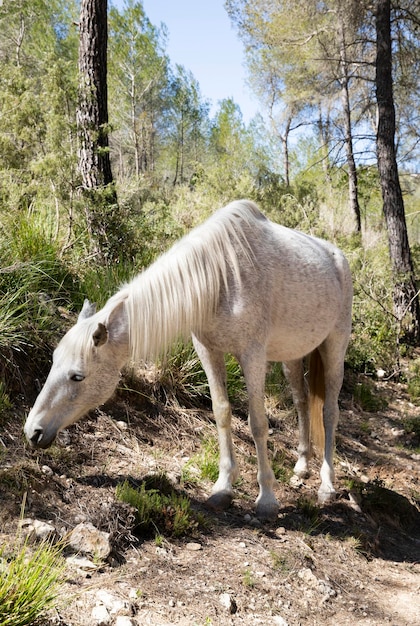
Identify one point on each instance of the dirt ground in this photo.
(355, 561)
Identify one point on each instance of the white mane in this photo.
(180, 290)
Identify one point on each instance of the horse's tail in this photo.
(316, 400)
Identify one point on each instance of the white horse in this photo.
(240, 284)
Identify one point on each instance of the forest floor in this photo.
(354, 561)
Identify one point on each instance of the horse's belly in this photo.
(288, 342)
(286, 350)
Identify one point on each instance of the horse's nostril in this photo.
(36, 437)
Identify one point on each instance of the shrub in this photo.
(182, 377)
(157, 512)
(365, 397)
(414, 382)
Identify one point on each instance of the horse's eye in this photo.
(77, 378)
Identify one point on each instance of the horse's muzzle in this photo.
(39, 440)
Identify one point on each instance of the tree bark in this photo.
(405, 296)
(101, 207)
(92, 112)
(345, 99)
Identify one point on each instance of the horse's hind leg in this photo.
(294, 373)
(214, 366)
(333, 359)
(332, 352)
(267, 507)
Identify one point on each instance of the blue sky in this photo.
(202, 39)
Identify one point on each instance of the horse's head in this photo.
(85, 371)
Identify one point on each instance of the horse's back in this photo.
(310, 293)
(294, 290)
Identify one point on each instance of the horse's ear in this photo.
(88, 309)
(100, 336)
(117, 323)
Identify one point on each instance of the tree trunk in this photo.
(92, 112)
(345, 100)
(92, 126)
(285, 141)
(406, 303)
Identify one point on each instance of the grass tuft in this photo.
(29, 583)
(205, 464)
(159, 513)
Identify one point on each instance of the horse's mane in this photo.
(181, 289)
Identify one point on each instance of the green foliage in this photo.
(276, 386)
(375, 342)
(182, 376)
(205, 463)
(282, 471)
(412, 429)
(34, 283)
(248, 579)
(310, 514)
(280, 562)
(365, 397)
(160, 510)
(29, 583)
(414, 381)
(5, 403)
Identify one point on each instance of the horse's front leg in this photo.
(267, 507)
(214, 366)
(293, 371)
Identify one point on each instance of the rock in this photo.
(228, 603)
(110, 601)
(326, 589)
(36, 529)
(87, 539)
(311, 580)
(81, 563)
(194, 547)
(279, 621)
(45, 469)
(100, 615)
(308, 577)
(123, 620)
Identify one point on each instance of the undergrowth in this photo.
(29, 583)
(159, 509)
(204, 465)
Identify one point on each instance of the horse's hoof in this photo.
(267, 512)
(219, 501)
(302, 475)
(325, 497)
(301, 470)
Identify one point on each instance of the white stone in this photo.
(228, 602)
(112, 602)
(81, 562)
(100, 615)
(193, 546)
(36, 529)
(123, 620)
(308, 576)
